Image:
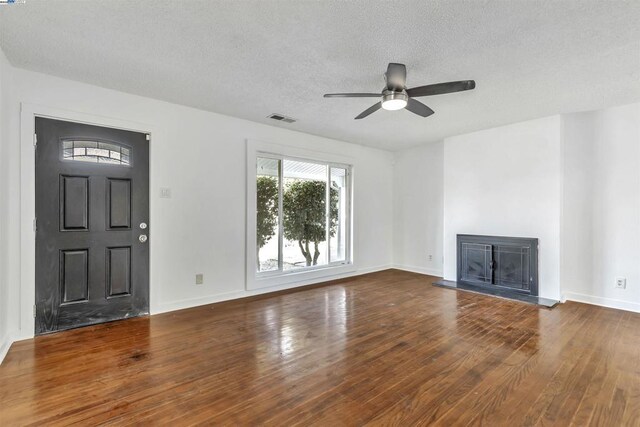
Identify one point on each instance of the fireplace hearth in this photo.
(496, 265)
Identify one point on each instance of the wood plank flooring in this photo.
(382, 349)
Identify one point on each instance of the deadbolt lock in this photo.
(142, 238)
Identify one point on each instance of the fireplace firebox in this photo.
(505, 263)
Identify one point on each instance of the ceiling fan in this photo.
(396, 96)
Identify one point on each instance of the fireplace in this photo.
(509, 264)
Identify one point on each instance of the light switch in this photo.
(165, 193)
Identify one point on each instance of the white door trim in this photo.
(28, 113)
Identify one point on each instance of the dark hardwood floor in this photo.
(385, 348)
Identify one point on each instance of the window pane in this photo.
(95, 152)
(338, 215)
(79, 152)
(267, 214)
(82, 144)
(304, 214)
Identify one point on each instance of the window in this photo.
(302, 214)
(96, 152)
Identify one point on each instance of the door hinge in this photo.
(35, 140)
(35, 224)
(34, 310)
(148, 137)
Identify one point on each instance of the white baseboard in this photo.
(368, 270)
(195, 302)
(602, 301)
(210, 299)
(5, 345)
(420, 270)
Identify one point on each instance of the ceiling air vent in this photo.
(281, 118)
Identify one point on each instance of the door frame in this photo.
(28, 113)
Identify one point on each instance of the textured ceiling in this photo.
(252, 58)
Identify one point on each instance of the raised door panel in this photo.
(118, 271)
(74, 275)
(74, 203)
(118, 204)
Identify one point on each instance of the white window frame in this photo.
(265, 279)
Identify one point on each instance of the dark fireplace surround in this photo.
(505, 267)
(495, 262)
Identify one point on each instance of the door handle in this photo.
(142, 238)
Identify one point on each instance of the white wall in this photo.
(577, 207)
(602, 217)
(418, 209)
(5, 79)
(201, 157)
(506, 181)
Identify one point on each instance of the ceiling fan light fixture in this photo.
(394, 100)
(394, 104)
(396, 96)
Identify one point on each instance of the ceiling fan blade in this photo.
(441, 88)
(352, 95)
(396, 76)
(418, 108)
(372, 109)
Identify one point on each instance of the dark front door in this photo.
(92, 215)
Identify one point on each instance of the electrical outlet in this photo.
(430, 257)
(621, 283)
(199, 279)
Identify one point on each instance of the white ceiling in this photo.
(252, 58)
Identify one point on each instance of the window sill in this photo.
(303, 278)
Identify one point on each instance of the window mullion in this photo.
(327, 213)
(348, 215)
(280, 215)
